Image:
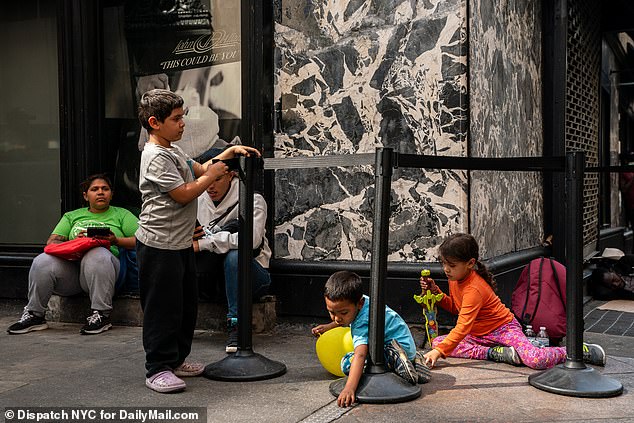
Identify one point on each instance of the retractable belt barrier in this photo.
(378, 385)
(528, 164)
(339, 160)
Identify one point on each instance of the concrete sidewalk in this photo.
(59, 367)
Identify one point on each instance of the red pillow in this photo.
(75, 248)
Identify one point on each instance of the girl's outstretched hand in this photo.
(431, 357)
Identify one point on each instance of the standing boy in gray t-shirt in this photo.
(170, 182)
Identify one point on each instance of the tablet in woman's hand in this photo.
(93, 231)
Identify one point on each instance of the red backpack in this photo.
(539, 298)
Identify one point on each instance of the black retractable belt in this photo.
(340, 160)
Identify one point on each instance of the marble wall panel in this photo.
(506, 121)
(354, 75)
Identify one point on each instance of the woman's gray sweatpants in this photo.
(95, 274)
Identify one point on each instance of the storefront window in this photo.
(29, 122)
(191, 47)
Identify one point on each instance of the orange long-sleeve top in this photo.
(479, 310)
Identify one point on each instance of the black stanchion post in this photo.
(245, 254)
(575, 169)
(378, 385)
(378, 261)
(574, 378)
(245, 365)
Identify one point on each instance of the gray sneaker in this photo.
(593, 354)
(396, 360)
(502, 354)
(424, 372)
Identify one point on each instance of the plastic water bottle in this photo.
(530, 334)
(542, 337)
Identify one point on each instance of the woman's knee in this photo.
(44, 260)
(99, 257)
(97, 254)
(100, 261)
(46, 264)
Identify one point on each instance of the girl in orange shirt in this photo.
(486, 328)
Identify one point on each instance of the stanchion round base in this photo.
(586, 382)
(244, 366)
(379, 388)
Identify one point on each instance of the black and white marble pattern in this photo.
(506, 121)
(354, 75)
(359, 74)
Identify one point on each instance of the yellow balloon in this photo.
(331, 346)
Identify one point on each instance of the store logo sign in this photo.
(204, 43)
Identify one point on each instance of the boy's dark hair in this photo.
(84, 185)
(343, 285)
(464, 247)
(158, 103)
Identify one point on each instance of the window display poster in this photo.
(191, 47)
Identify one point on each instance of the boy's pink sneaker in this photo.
(189, 369)
(164, 382)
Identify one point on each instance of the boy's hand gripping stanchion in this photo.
(428, 301)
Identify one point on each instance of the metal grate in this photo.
(328, 413)
(582, 103)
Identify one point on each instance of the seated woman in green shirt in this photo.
(97, 271)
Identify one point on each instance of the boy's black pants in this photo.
(169, 299)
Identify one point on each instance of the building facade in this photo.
(458, 78)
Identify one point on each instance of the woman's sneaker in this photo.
(27, 323)
(165, 382)
(97, 323)
(594, 354)
(502, 354)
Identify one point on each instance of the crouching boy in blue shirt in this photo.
(347, 306)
